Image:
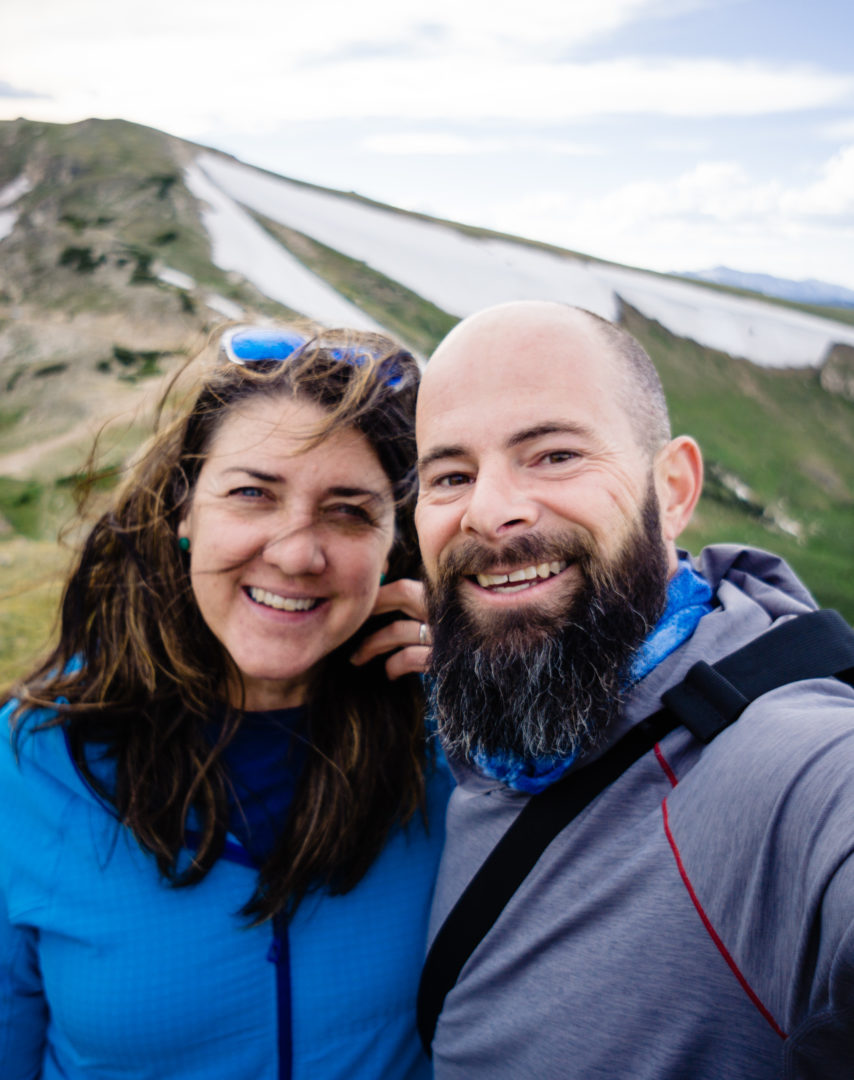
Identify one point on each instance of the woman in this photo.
(215, 859)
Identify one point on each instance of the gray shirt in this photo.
(697, 919)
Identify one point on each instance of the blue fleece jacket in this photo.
(107, 972)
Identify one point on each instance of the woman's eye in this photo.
(248, 492)
(350, 511)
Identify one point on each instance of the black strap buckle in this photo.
(705, 701)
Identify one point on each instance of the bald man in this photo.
(695, 920)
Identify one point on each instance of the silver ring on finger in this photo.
(422, 634)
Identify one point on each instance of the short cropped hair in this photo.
(641, 395)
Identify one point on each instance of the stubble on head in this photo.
(543, 681)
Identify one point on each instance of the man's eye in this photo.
(452, 480)
(559, 457)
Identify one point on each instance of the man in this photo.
(696, 920)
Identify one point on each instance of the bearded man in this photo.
(696, 918)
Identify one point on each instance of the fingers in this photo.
(407, 640)
(404, 595)
(403, 634)
(412, 660)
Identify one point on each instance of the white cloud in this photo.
(714, 213)
(324, 27)
(190, 67)
(436, 143)
(457, 87)
(446, 143)
(832, 195)
(839, 130)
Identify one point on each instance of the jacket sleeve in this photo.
(822, 1047)
(23, 1009)
(23, 1012)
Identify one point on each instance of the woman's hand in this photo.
(407, 640)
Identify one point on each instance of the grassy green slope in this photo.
(117, 189)
(781, 434)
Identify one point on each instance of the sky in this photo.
(665, 134)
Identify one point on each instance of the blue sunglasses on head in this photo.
(265, 344)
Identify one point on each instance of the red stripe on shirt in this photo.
(722, 949)
(662, 761)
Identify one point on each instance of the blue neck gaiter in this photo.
(689, 598)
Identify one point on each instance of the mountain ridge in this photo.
(806, 291)
(125, 248)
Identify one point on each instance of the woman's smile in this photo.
(287, 543)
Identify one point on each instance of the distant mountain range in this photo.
(808, 291)
(122, 248)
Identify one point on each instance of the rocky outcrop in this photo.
(837, 372)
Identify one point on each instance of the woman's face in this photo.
(287, 546)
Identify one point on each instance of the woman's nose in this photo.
(297, 550)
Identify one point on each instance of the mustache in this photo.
(472, 557)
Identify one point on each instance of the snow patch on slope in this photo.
(766, 334)
(241, 245)
(458, 273)
(9, 195)
(462, 274)
(176, 277)
(13, 191)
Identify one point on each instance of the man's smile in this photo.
(520, 578)
(525, 577)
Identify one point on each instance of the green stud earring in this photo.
(184, 543)
(382, 580)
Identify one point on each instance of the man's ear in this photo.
(678, 471)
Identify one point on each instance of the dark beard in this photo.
(544, 682)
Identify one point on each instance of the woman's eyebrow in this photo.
(354, 493)
(339, 491)
(256, 474)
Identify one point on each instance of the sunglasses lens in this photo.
(249, 345)
(261, 344)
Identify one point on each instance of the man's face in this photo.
(520, 431)
(539, 528)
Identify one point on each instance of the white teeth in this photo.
(526, 574)
(514, 588)
(282, 603)
(485, 580)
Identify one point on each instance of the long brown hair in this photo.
(138, 673)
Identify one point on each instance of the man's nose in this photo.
(498, 506)
(296, 550)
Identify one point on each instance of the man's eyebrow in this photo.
(440, 453)
(549, 427)
(538, 431)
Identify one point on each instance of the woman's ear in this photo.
(678, 471)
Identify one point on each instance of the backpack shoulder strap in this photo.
(814, 645)
(810, 646)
